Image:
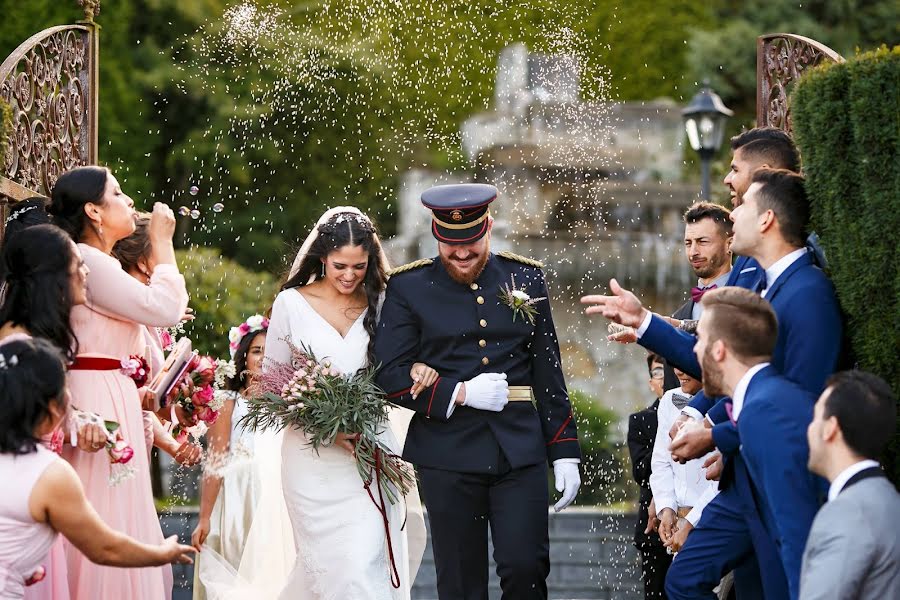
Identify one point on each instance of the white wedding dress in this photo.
(342, 546)
(316, 535)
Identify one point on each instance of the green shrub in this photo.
(847, 124)
(223, 294)
(603, 462)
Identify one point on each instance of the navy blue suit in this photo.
(806, 352)
(772, 425)
(479, 468)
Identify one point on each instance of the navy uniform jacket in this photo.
(462, 331)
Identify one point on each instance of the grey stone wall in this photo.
(591, 555)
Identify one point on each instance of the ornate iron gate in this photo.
(782, 58)
(51, 84)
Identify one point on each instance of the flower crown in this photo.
(236, 334)
(330, 226)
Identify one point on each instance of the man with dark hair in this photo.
(806, 352)
(853, 549)
(642, 425)
(707, 246)
(762, 147)
(777, 496)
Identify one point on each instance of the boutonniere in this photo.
(519, 301)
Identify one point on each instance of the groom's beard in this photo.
(469, 275)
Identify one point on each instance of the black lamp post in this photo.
(704, 122)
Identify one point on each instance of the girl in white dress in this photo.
(329, 304)
(231, 487)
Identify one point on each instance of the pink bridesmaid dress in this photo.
(24, 543)
(55, 584)
(111, 325)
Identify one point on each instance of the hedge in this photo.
(846, 120)
(223, 294)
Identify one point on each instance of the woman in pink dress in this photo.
(89, 204)
(43, 277)
(48, 497)
(135, 254)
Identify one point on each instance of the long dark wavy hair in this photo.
(74, 189)
(239, 381)
(36, 270)
(32, 376)
(347, 229)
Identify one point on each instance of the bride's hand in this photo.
(347, 441)
(200, 533)
(423, 377)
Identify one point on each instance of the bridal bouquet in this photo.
(311, 395)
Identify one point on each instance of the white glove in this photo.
(568, 481)
(488, 391)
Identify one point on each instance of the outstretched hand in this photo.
(622, 307)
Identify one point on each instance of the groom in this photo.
(485, 429)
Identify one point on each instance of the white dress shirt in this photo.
(675, 485)
(740, 390)
(781, 265)
(841, 480)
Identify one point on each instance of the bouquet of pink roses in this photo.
(195, 391)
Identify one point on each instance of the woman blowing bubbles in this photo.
(91, 207)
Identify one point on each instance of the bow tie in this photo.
(697, 292)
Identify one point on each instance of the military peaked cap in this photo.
(459, 212)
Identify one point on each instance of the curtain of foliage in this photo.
(847, 124)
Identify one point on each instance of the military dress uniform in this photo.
(478, 467)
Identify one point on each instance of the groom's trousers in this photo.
(461, 506)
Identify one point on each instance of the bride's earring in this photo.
(323, 270)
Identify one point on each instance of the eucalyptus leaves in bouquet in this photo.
(313, 396)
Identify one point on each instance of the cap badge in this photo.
(456, 215)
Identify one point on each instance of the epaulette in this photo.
(424, 262)
(525, 261)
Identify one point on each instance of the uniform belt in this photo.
(683, 511)
(521, 393)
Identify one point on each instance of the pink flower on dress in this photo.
(37, 576)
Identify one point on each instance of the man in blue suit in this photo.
(770, 226)
(778, 495)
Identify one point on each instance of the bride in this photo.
(330, 304)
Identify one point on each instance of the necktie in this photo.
(697, 292)
(762, 284)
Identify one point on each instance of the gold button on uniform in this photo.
(482, 343)
(474, 286)
(483, 323)
(479, 300)
(485, 360)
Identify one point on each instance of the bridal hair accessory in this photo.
(325, 220)
(331, 225)
(236, 334)
(19, 213)
(5, 363)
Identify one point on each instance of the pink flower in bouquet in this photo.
(166, 340)
(205, 370)
(203, 396)
(206, 414)
(120, 452)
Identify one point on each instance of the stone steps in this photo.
(592, 557)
